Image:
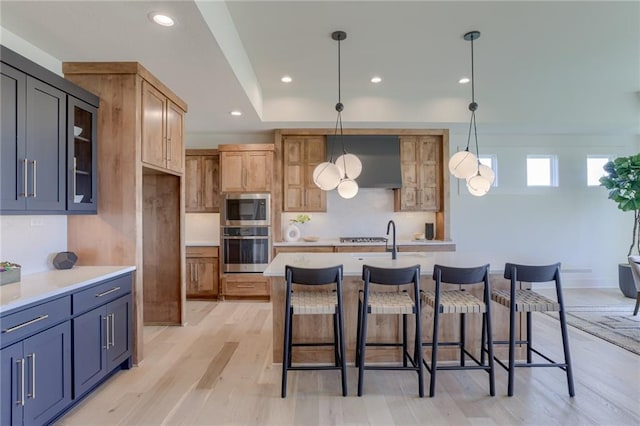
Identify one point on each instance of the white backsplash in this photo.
(32, 241)
(202, 227)
(365, 215)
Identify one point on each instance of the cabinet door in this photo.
(410, 164)
(294, 174)
(429, 152)
(82, 156)
(12, 144)
(202, 277)
(119, 313)
(211, 184)
(257, 171)
(48, 373)
(175, 143)
(193, 183)
(46, 143)
(232, 172)
(315, 153)
(154, 145)
(89, 350)
(12, 385)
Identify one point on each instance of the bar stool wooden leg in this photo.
(463, 338)
(512, 347)
(434, 353)
(358, 332)
(635, 310)
(567, 355)
(404, 340)
(362, 345)
(287, 347)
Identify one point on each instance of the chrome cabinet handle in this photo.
(112, 329)
(35, 178)
(24, 324)
(106, 334)
(25, 164)
(21, 400)
(32, 395)
(107, 292)
(168, 149)
(75, 170)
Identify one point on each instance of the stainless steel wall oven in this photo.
(246, 248)
(246, 210)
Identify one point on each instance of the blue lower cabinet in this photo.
(36, 377)
(102, 341)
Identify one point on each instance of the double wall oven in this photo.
(246, 232)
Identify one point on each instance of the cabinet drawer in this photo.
(199, 251)
(17, 326)
(102, 293)
(258, 287)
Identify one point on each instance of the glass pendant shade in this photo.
(463, 164)
(326, 176)
(487, 173)
(350, 166)
(478, 185)
(347, 188)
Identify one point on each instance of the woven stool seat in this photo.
(455, 302)
(314, 302)
(383, 302)
(526, 301)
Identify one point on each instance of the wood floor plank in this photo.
(218, 370)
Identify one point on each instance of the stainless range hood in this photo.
(380, 156)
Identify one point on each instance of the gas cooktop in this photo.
(362, 240)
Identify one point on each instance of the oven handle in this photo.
(245, 238)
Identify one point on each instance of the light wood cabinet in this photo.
(202, 189)
(140, 218)
(245, 286)
(421, 165)
(162, 130)
(246, 168)
(301, 155)
(202, 272)
(302, 249)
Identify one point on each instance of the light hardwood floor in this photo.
(218, 371)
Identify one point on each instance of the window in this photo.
(542, 170)
(595, 169)
(491, 161)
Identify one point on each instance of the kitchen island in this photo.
(383, 327)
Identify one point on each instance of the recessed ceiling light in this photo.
(286, 79)
(236, 113)
(376, 79)
(464, 80)
(161, 19)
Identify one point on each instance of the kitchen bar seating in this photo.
(389, 302)
(462, 302)
(314, 302)
(520, 300)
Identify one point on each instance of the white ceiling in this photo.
(540, 66)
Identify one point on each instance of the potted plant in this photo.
(622, 179)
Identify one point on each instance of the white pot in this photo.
(292, 233)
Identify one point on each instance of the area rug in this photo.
(614, 324)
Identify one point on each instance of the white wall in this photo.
(31, 241)
(574, 224)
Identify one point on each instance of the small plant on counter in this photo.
(301, 218)
(8, 266)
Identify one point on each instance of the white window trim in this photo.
(553, 181)
(607, 157)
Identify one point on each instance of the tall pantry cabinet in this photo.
(140, 218)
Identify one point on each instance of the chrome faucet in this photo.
(394, 249)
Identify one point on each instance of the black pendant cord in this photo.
(340, 105)
(473, 106)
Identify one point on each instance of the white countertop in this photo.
(34, 287)
(352, 262)
(336, 242)
(203, 243)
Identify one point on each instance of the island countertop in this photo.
(352, 262)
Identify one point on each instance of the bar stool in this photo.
(529, 301)
(399, 303)
(461, 302)
(314, 302)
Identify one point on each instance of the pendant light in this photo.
(465, 164)
(341, 174)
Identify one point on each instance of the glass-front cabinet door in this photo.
(82, 182)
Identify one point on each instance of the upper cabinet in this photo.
(301, 155)
(246, 168)
(82, 157)
(162, 130)
(421, 165)
(37, 145)
(202, 188)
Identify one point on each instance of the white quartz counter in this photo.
(352, 262)
(203, 243)
(34, 287)
(336, 242)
